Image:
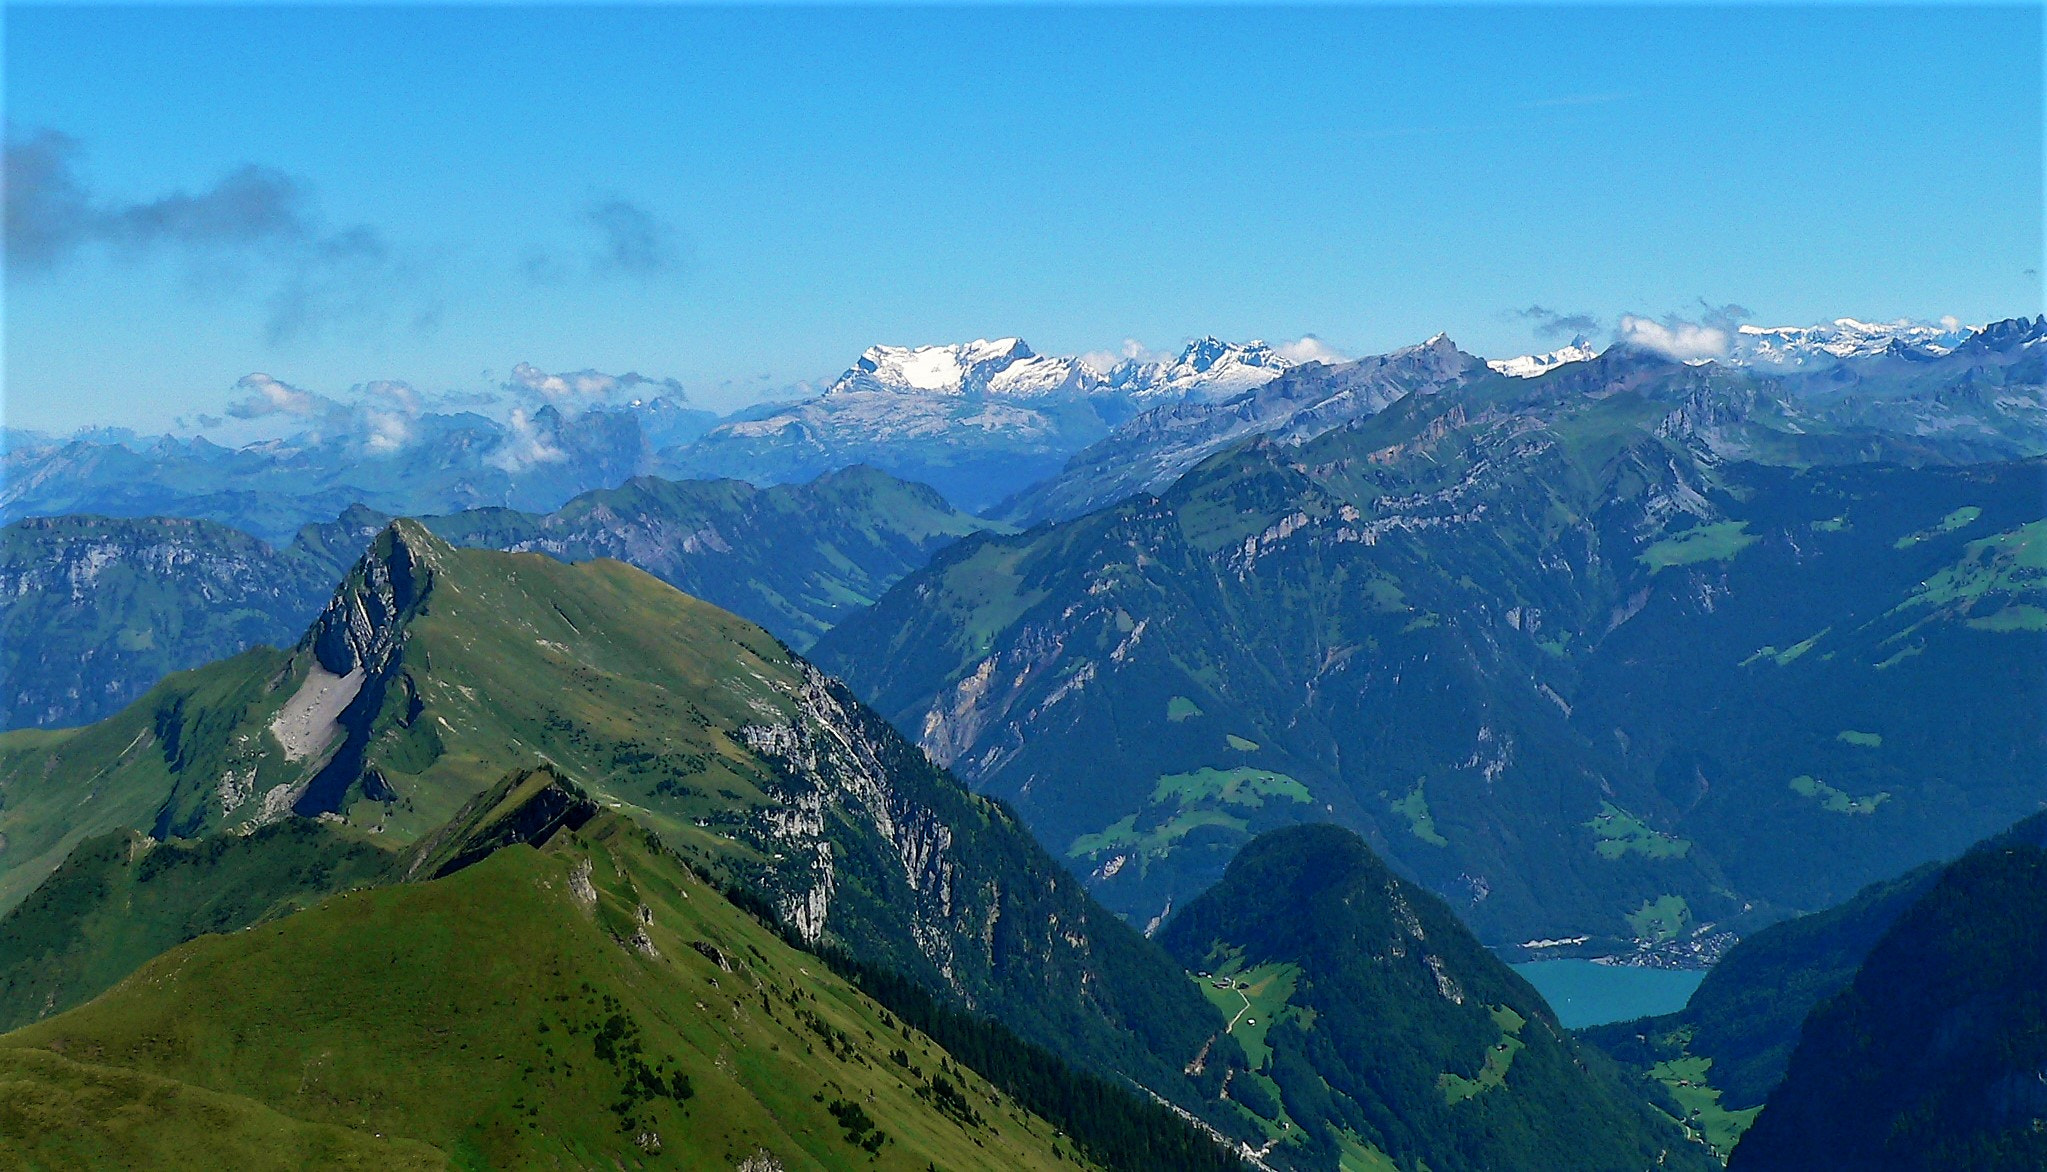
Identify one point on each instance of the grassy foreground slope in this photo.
(1377, 1022)
(589, 1002)
(56, 1113)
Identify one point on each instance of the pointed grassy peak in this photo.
(1314, 893)
(528, 807)
(1374, 1018)
(701, 726)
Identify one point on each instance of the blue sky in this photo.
(741, 199)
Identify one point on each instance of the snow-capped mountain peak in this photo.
(1530, 365)
(1003, 366)
(1208, 369)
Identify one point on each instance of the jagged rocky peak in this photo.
(2017, 331)
(1206, 368)
(527, 806)
(358, 628)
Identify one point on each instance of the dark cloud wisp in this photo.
(1550, 323)
(632, 240)
(254, 225)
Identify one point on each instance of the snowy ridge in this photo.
(1530, 365)
(1006, 367)
(1209, 369)
(1843, 338)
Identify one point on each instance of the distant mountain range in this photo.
(1626, 655)
(271, 489)
(984, 422)
(95, 610)
(977, 421)
(470, 839)
(535, 856)
(1815, 395)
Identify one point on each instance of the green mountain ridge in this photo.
(95, 610)
(1379, 1024)
(435, 672)
(1534, 639)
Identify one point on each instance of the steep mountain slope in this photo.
(122, 898)
(93, 611)
(1379, 1020)
(1723, 1053)
(978, 421)
(435, 671)
(427, 463)
(1156, 448)
(1935, 1057)
(591, 1000)
(1534, 638)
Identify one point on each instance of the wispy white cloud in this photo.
(587, 386)
(1708, 333)
(1131, 350)
(1309, 348)
(1682, 340)
(266, 396)
(525, 444)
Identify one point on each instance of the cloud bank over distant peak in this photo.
(589, 386)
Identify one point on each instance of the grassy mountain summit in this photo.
(95, 610)
(435, 671)
(1376, 1021)
(1536, 639)
(1933, 1057)
(591, 1001)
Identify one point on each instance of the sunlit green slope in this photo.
(591, 1001)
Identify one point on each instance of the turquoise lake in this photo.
(1584, 993)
